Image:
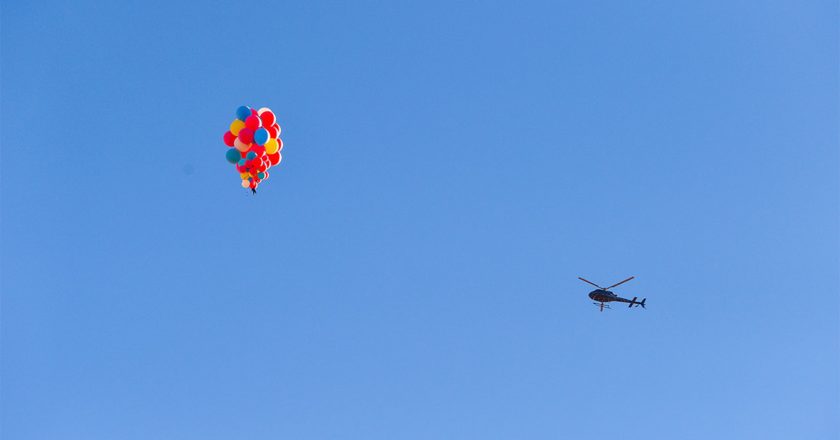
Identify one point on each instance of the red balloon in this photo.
(241, 168)
(274, 158)
(266, 176)
(259, 149)
(229, 138)
(254, 112)
(246, 135)
(252, 122)
(267, 118)
(272, 132)
(279, 144)
(253, 184)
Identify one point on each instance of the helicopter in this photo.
(603, 295)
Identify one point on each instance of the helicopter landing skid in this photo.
(602, 305)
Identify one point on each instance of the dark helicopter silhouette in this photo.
(603, 295)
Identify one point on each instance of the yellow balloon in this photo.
(271, 146)
(235, 126)
(244, 176)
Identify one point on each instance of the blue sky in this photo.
(409, 271)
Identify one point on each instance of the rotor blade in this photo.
(590, 282)
(618, 284)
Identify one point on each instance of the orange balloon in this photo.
(241, 146)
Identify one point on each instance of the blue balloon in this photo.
(251, 155)
(242, 113)
(261, 136)
(241, 162)
(233, 155)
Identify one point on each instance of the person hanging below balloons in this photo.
(255, 144)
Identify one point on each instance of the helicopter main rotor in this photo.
(606, 288)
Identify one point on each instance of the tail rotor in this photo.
(633, 302)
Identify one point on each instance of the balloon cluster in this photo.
(254, 138)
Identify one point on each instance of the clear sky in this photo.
(409, 271)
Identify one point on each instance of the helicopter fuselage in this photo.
(605, 296)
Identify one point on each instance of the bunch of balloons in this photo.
(254, 141)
